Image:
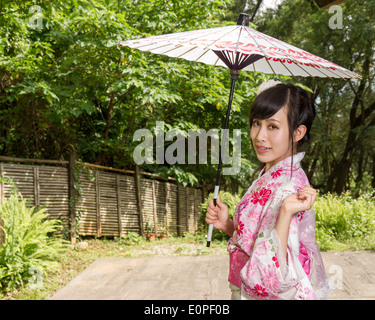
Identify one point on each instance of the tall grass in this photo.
(28, 247)
(343, 222)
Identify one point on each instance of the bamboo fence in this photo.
(102, 201)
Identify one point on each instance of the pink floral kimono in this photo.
(258, 267)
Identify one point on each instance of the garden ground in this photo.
(202, 277)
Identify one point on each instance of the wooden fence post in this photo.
(1, 232)
(196, 211)
(154, 207)
(167, 210)
(36, 187)
(1, 201)
(187, 209)
(98, 216)
(119, 205)
(139, 200)
(179, 227)
(72, 199)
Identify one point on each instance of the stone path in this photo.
(352, 275)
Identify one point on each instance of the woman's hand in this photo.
(300, 201)
(219, 217)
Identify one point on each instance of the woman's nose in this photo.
(261, 134)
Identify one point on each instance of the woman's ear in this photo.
(299, 133)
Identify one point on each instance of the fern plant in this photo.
(27, 242)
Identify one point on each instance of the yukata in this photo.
(258, 268)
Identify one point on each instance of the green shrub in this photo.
(27, 249)
(345, 223)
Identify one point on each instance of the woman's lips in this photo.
(262, 149)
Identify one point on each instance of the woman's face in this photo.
(271, 139)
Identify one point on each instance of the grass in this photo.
(75, 261)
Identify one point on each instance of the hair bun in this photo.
(266, 85)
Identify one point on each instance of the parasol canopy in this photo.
(241, 47)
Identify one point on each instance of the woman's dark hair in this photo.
(300, 108)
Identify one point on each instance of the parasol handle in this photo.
(234, 76)
(211, 226)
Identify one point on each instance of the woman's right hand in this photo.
(218, 216)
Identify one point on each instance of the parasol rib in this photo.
(265, 55)
(325, 74)
(176, 47)
(208, 50)
(266, 38)
(284, 65)
(338, 74)
(236, 49)
(216, 61)
(234, 29)
(182, 54)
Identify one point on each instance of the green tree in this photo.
(341, 154)
(68, 87)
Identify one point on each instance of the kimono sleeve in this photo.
(268, 274)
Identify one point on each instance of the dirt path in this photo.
(202, 277)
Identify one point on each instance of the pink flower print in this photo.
(263, 248)
(248, 241)
(254, 216)
(271, 279)
(248, 272)
(267, 220)
(259, 291)
(239, 228)
(276, 174)
(253, 268)
(304, 258)
(261, 196)
(254, 197)
(274, 259)
(310, 294)
(300, 215)
(242, 205)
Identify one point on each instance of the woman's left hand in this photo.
(300, 201)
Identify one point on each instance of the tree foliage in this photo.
(67, 86)
(341, 155)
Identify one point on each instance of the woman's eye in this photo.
(255, 123)
(273, 127)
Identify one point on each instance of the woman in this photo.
(273, 251)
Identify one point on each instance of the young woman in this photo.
(273, 251)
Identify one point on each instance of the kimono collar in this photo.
(286, 163)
